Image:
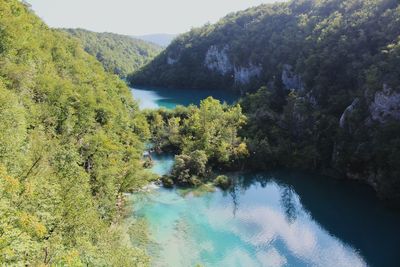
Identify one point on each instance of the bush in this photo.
(222, 181)
(167, 181)
(190, 170)
(148, 163)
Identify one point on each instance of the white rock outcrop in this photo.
(290, 79)
(218, 60)
(386, 105)
(171, 61)
(347, 112)
(243, 75)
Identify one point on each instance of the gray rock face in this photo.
(311, 99)
(347, 112)
(385, 106)
(218, 60)
(171, 61)
(290, 79)
(243, 75)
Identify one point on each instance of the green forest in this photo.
(204, 139)
(319, 84)
(312, 38)
(319, 79)
(119, 54)
(71, 141)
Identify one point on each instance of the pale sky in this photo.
(137, 17)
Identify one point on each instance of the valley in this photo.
(268, 138)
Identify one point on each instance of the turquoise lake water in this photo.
(169, 98)
(270, 219)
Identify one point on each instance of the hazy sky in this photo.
(136, 17)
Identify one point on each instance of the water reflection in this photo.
(169, 98)
(347, 210)
(235, 201)
(288, 204)
(274, 219)
(267, 219)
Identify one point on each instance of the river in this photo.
(276, 218)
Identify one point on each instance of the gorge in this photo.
(268, 138)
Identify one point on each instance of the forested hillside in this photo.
(330, 78)
(301, 41)
(119, 54)
(71, 141)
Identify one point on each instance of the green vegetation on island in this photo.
(205, 138)
(119, 54)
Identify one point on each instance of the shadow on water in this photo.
(348, 210)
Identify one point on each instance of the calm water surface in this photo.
(169, 98)
(270, 219)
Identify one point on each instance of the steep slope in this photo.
(279, 43)
(119, 54)
(330, 97)
(71, 141)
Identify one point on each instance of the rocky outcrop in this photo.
(385, 106)
(347, 113)
(290, 79)
(171, 61)
(383, 183)
(218, 60)
(243, 75)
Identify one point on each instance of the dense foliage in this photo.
(119, 54)
(204, 137)
(71, 142)
(330, 97)
(345, 119)
(330, 43)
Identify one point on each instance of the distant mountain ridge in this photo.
(161, 39)
(119, 54)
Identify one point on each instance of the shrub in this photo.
(190, 170)
(222, 181)
(167, 181)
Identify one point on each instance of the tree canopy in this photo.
(330, 44)
(204, 137)
(71, 141)
(325, 79)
